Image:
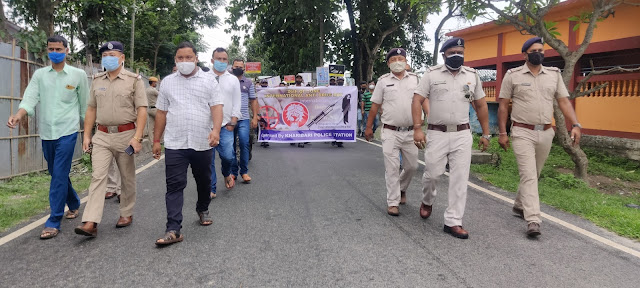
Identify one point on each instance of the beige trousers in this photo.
(531, 149)
(151, 124)
(105, 148)
(456, 148)
(394, 142)
(113, 179)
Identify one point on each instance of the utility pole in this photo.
(133, 30)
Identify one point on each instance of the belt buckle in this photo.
(112, 129)
(452, 128)
(539, 127)
(403, 129)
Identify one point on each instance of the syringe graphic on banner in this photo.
(326, 112)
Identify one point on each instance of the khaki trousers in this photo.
(531, 149)
(456, 148)
(113, 179)
(105, 148)
(394, 142)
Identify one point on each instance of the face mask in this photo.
(56, 57)
(535, 58)
(454, 61)
(110, 63)
(371, 87)
(298, 81)
(186, 68)
(238, 71)
(397, 66)
(219, 66)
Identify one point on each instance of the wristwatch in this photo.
(488, 137)
(231, 124)
(576, 125)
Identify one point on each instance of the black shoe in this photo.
(339, 144)
(301, 145)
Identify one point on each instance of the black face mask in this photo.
(298, 81)
(238, 71)
(454, 61)
(535, 58)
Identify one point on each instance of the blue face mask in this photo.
(56, 57)
(219, 66)
(110, 63)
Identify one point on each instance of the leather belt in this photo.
(118, 128)
(391, 127)
(539, 127)
(449, 128)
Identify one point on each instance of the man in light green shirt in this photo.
(62, 92)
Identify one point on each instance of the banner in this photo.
(322, 73)
(253, 67)
(308, 114)
(290, 78)
(336, 70)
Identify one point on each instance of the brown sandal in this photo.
(49, 233)
(170, 238)
(205, 219)
(72, 214)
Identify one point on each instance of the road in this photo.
(316, 217)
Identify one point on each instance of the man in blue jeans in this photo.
(231, 98)
(62, 91)
(243, 129)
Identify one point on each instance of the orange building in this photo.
(613, 111)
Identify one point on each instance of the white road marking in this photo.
(548, 217)
(42, 220)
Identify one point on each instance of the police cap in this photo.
(530, 42)
(112, 46)
(453, 42)
(396, 51)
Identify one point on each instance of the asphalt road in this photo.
(316, 217)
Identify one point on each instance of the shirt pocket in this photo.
(440, 91)
(101, 99)
(125, 99)
(524, 91)
(69, 94)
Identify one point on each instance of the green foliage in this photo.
(34, 41)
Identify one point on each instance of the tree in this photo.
(455, 9)
(527, 16)
(4, 25)
(40, 12)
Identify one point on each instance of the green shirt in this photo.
(63, 100)
(366, 98)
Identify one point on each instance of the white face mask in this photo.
(397, 66)
(186, 68)
(371, 87)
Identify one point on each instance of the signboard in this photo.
(307, 114)
(322, 73)
(253, 67)
(274, 81)
(336, 70)
(290, 79)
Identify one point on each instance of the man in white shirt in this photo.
(189, 106)
(231, 98)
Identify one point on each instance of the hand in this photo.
(503, 140)
(483, 144)
(157, 150)
(419, 138)
(229, 127)
(13, 121)
(214, 138)
(368, 134)
(576, 133)
(254, 122)
(137, 146)
(86, 144)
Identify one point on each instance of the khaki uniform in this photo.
(449, 105)
(116, 102)
(113, 178)
(532, 98)
(395, 95)
(152, 97)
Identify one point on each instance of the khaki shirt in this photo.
(449, 96)
(532, 96)
(152, 96)
(395, 96)
(116, 100)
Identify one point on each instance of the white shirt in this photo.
(230, 95)
(188, 104)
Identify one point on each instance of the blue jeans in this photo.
(365, 119)
(59, 154)
(226, 152)
(243, 131)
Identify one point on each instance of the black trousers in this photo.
(177, 162)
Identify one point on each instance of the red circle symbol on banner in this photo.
(295, 114)
(270, 115)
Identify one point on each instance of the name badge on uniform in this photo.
(102, 89)
(439, 82)
(390, 85)
(70, 87)
(525, 84)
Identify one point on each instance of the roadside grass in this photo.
(25, 196)
(565, 192)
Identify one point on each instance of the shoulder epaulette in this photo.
(469, 69)
(99, 74)
(384, 76)
(553, 69)
(515, 69)
(434, 68)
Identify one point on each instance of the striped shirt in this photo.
(188, 104)
(248, 92)
(366, 98)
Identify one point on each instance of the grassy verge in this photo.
(563, 191)
(25, 196)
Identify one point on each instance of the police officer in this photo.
(532, 89)
(393, 95)
(118, 104)
(449, 89)
(152, 96)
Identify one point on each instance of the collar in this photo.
(65, 68)
(445, 69)
(244, 79)
(526, 69)
(226, 72)
(197, 75)
(404, 75)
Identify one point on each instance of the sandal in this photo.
(72, 214)
(205, 219)
(170, 238)
(230, 182)
(246, 178)
(49, 233)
